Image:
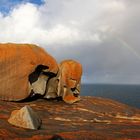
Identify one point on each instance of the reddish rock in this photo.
(18, 62)
(70, 80)
(67, 82)
(90, 118)
(25, 118)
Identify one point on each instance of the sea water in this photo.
(128, 94)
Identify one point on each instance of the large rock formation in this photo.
(20, 67)
(27, 71)
(67, 82)
(90, 118)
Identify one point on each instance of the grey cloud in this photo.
(102, 34)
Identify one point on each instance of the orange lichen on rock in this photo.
(67, 82)
(17, 62)
(70, 98)
(70, 78)
(91, 118)
(71, 72)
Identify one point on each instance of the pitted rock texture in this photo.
(25, 118)
(90, 118)
(70, 80)
(67, 82)
(18, 63)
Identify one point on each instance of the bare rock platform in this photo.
(92, 118)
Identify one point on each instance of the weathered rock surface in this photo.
(20, 67)
(67, 82)
(71, 72)
(25, 118)
(89, 119)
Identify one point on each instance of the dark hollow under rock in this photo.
(89, 119)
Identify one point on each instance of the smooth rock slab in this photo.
(25, 118)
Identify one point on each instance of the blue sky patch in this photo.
(7, 5)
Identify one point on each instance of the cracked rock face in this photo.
(25, 118)
(24, 71)
(27, 71)
(67, 83)
(70, 79)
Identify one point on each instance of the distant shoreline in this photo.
(127, 94)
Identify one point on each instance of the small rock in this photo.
(25, 118)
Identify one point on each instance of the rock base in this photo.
(89, 119)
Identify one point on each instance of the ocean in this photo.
(127, 94)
